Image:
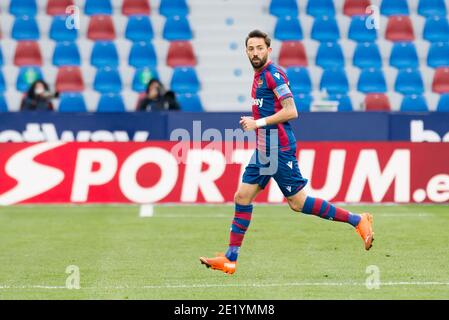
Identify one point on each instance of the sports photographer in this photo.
(157, 98)
(38, 97)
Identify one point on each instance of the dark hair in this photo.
(155, 81)
(30, 92)
(258, 34)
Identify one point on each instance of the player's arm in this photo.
(287, 113)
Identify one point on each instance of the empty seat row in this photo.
(109, 102)
(107, 80)
(366, 55)
(319, 8)
(325, 29)
(375, 102)
(335, 81)
(99, 7)
(101, 27)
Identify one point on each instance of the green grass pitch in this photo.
(285, 255)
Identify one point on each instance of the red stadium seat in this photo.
(441, 80)
(58, 7)
(27, 53)
(69, 79)
(292, 54)
(135, 7)
(377, 102)
(101, 27)
(180, 53)
(356, 7)
(399, 28)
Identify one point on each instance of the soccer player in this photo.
(275, 156)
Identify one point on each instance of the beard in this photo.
(258, 62)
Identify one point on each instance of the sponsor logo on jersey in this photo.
(258, 102)
(277, 75)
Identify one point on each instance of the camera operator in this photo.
(157, 98)
(38, 97)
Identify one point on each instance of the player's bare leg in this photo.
(243, 210)
(363, 223)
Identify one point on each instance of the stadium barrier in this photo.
(170, 172)
(139, 126)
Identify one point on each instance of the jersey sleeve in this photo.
(278, 82)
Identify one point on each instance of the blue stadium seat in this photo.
(66, 54)
(94, 7)
(443, 104)
(359, 32)
(25, 28)
(325, 29)
(177, 28)
(409, 82)
(344, 102)
(104, 54)
(438, 55)
(334, 81)
(430, 8)
(185, 80)
(27, 76)
(404, 55)
(372, 81)
(436, 29)
(318, 8)
(367, 55)
(170, 8)
(111, 102)
(142, 54)
(394, 8)
(107, 80)
(3, 104)
(330, 55)
(142, 77)
(282, 8)
(2, 82)
(414, 103)
(139, 28)
(299, 80)
(190, 102)
(288, 28)
(59, 31)
(20, 8)
(303, 102)
(72, 102)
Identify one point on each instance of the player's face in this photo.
(257, 52)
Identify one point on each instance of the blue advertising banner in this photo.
(83, 127)
(142, 126)
(432, 127)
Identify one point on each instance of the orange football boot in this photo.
(365, 229)
(220, 262)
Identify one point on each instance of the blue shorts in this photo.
(281, 165)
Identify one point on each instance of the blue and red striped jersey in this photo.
(270, 87)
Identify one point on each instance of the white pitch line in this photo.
(237, 285)
(230, 215)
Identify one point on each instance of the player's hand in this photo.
(248, 123)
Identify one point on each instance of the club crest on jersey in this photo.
(260, 83)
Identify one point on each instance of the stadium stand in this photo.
(330, 49)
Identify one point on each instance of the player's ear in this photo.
(270, 49)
